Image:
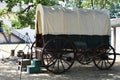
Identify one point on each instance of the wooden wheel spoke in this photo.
(62, 64)
(58, 65)
(67, 63)
(110, 53)
(98, 62)
(53, 65)
(102, 64)
(51, 62)
(108, 50)
(46, 58)
(105, 63)
(108, 62)
(49, 59)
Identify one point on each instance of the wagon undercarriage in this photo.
(59, 54)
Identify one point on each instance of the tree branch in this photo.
(27, 8)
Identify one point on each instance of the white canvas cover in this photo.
(58, 20)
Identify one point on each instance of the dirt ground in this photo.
(9, 71)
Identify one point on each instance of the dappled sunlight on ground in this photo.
(9, 71)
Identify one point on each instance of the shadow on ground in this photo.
(9, 71)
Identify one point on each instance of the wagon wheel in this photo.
(107, 57)
(83, 56)
(58, 55)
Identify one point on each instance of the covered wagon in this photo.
(68, 34)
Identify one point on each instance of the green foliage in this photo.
(112, 5)
(47, 2)
(6, 28)
(25, 16)
(93, 4)
(1, 12)
(16, 24)
(86, 4)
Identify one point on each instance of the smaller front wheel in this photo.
(83, 56)
(105, 57)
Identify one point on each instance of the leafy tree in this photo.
(112, 5)
(94, 4)
(25, 16)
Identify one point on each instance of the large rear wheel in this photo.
(58, 55)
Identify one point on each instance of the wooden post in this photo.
(114, 34)
(39, 43)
